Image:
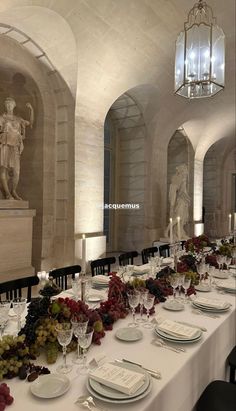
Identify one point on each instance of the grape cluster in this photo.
(158, 288)
(117, 289)
(187, 263)
(5, 397)
(13, 354)
(31, 371)
(111, 310)
(37, 308)
(50, 288)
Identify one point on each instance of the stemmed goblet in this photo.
(143, 295)
(174, 282)
(75, 288)
(4, 311)
(148, 304)
(79, 327)
(64, 336)
(186, 285)
(133, 298)
(85, 342)
(180, 283)
(19, 305)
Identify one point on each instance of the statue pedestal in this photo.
(16, 226)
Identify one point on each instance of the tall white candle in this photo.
(230, 223)
(178, 228)
(83, 254)
(234, 221)
(171, 230)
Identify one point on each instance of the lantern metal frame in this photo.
(200, 14)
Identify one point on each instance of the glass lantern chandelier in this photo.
(200, 55)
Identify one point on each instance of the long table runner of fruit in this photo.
(39, 334)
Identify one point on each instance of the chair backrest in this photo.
(13, 289)
(127, 258)
(61, 275)
(183, 244)
(148, 252)
(102, 265)
(164, 250)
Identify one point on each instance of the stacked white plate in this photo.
(100, 281)
(211, 305)
(228, 286)
(167, 261)
(183, 339)
(107, 394)
(221, 274)
(141, 269)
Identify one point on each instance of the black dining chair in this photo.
(164, 250)
(13, 289)
(148, 252)
(232, 365)
(218, 396)
(127, 258)
(102, 265)
(61, 275)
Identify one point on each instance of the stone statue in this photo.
(12, 134)
(179, 203)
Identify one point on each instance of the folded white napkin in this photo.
(167, 260)
(118, 378)
(211, 303)
(231, 284)
(141, 269)
(178, 330)
(101, 279)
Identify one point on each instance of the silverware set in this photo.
(88, 402)
(154, 373)
(161, 343)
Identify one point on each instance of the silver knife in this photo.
(153, 373)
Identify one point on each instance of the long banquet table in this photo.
(184, 375)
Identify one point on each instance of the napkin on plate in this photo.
(178, 330)
(231, 284)
(211, 303)
(101, 279)
(141, 269)
(167, 260)
(118, 378)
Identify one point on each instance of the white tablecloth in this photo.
(184, 376)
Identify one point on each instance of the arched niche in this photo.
(180, 151)
(47, 161)
(219, 191)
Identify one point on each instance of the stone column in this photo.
(16, 226)
(89, 175)
(198, 197)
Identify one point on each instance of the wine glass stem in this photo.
(148, 314)
(141, 310)
(64, 355)
(18, 322)
(133, 313)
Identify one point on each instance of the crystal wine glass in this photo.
(75, 288)
(4, 311)
(79, 326)
(227, 261)
(148, 304)
(19, 305)
(143, 295)
(186, 285)
(174, 282)
(201, 269)
(180, 283)
(64, 336)
(133, 298)
(85, 342)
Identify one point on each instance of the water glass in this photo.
(64, 337)
(19, 305)
(4, 312)
(75, 284)
(133, 298)
(186, 284)
(79, 327)
(180, 283)
(85, 341)
(174, 282)
(143, 295)
(148, 304)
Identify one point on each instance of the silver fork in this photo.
(88, 402)
(161, 344)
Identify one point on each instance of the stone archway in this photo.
(47, 166)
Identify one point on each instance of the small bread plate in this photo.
(50, 386)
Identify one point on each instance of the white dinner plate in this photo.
(119, 401)
(203, 288)
(111, 393)
(221, 274)
(181, 340)
(129, 334)
(173, 305)
(211, 309)
(94, 298)
(50, 386)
